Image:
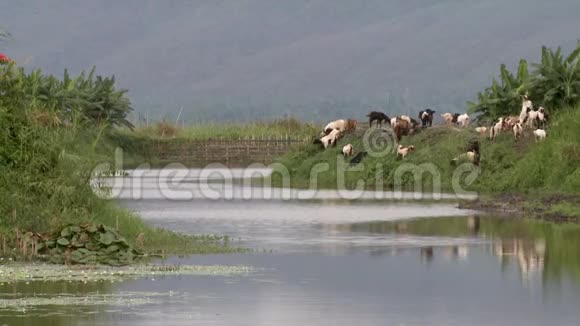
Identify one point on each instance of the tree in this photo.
(557, 78)
(553, 83)
(503, 97)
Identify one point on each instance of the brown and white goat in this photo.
(404, 151)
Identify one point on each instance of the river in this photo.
(319, 259)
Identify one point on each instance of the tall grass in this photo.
(44, 185)
(288, 127)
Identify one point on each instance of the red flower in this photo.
(4, 58)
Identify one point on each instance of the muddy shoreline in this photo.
(557, 208)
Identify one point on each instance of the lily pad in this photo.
(106, 238)
(63, 241)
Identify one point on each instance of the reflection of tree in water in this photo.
(473, 224)
(549, 249)
(529, 255)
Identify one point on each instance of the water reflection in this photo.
(449, 270)
(537, 248)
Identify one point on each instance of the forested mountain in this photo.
(313, 59)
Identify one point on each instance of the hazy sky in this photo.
(246, 59)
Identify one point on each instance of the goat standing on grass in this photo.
(542, 118)
(539, 134)
(496, 129)
(402, 128)
(518, 131)
(426, 117)
(472, 155)
(379, 117)
(526, 107)
(404, 151)
(447, 117)
(463, 120)
(347, 150)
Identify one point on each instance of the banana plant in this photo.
(557, 78)
(502, 97)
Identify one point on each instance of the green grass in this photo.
(44, 186)
(506, 166)
(281, 128)
(566, 209)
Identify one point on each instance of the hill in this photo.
(248, 59)
(523, 167)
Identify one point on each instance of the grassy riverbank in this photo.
(50, 189)
(523, 167)
(53, 134)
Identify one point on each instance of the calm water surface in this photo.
(325, 261)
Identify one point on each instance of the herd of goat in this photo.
(529, 118)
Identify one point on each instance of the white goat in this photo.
(496, 129)
(463, 120)
(526, 106)
(347, 150)
(539, 134)
(481, 130)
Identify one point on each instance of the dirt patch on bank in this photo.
(546, 207)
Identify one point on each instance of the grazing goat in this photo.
(496, 129)
(518, 131)
(539, 134)
(447, 117)
(357, 158)
(472, 154)
(347, 150)
(404, 118)
(463, 120)
(330, 139)
(379, 117)
(426, 117)
(341, 125)
(402, 128)
(404, 151)
(532, 118)
(481, 130)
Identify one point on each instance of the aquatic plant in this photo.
(16, 272)
(89, 244)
